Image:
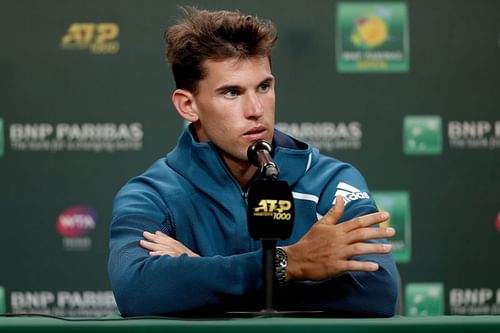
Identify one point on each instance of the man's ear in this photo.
(184, 104)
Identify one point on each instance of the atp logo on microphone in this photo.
(270, 209)
(278, 209)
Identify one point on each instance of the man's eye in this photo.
(264, 87)
(231, 93)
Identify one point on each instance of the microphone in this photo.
(259, 154)
(270, 206)
(270, 214)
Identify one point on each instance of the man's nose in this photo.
(254, 107)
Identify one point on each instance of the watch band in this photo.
(281, 263)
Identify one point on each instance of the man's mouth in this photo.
(256, 133)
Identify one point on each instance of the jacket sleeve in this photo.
(358, 294)
(354, 294)
(166, 285)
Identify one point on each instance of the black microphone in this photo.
(270, 210)
(270, 214)
(259, 154)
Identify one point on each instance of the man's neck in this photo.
(243, 172)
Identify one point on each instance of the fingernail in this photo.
(387, 247)
(384, 215)
(391, 231)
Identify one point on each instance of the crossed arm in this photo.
(324, 252)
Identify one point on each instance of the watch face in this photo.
(281, 258)
(281, 264)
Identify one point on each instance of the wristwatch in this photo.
(281, 263)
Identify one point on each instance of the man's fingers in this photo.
(359, 266)
(335, 213)
(149, 236)
(364, 234)
(160, 234)
(149, 245)
(157, 237)
(358, 249)
(156, 249)
(160, 253)
(161, 244)
(365, 221)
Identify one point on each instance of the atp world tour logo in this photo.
(372, 37)
(97, 37)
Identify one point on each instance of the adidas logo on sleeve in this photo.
(349, 193)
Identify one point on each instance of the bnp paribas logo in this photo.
(424, 299)
(1, 138)
(372, 37)
(397, 203)
(422, 135)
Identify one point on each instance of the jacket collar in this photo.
(200, 163)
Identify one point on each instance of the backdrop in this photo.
(407, 91)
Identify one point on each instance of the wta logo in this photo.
(76, 221)
(498, 224)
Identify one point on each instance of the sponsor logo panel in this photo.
(326, 136)
(397, 203)
(65, 303)
(474, 134)
(75, 225)
(94, 37)
(498, 222)
(422, 135)
(474, 301)
(424, 299)
(91, 137)
(372, 37)
(428, 299)
(2, 300)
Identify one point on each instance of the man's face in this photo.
(235, 104)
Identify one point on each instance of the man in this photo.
(179, 238)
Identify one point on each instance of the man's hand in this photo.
(160, 244)
(325, 250)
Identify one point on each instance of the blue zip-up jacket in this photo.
(191, 196)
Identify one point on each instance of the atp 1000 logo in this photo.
(98, 38)
(278, 209)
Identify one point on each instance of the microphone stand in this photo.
(270, 172)
(268, 274)
(270, 215)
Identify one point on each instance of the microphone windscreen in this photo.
(254, 148)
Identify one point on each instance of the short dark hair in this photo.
(215, 35)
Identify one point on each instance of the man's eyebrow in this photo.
(227, 87)
(269, 79)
